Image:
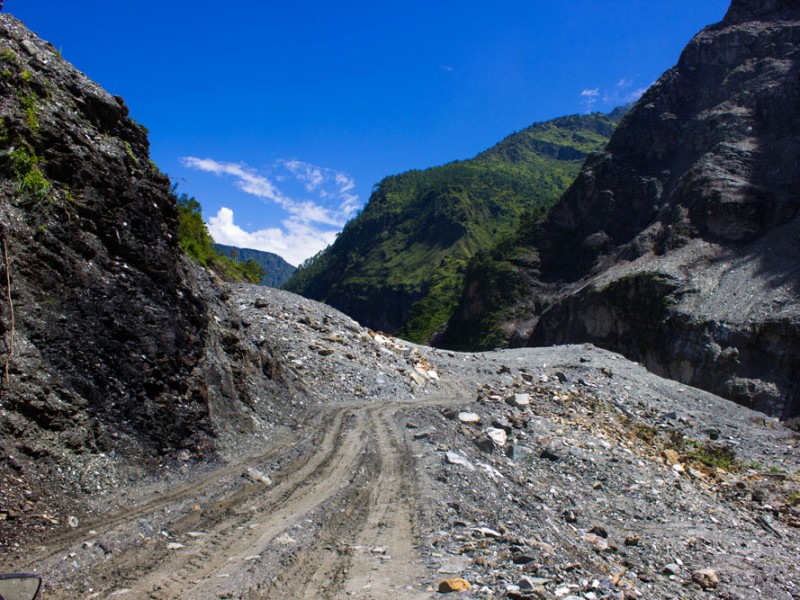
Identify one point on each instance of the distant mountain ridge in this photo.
(277, 270)
(399, 266)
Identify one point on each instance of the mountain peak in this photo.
(762, 10)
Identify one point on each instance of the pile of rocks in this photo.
(331, 356)
(594, 479)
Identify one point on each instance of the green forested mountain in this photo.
(276, 270)
(399, 266)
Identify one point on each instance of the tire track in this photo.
(351, 500)
(367, 550)
(231, 510)
(225, 565)
(191, 490)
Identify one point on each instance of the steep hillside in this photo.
(678, 245)
(399, 266)
(276, 270)
(112, 365)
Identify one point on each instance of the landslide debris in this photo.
(608, 482)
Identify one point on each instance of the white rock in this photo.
(498, 436)
(469, 417)
(519, 400)
(488, 532)
(456, 459)
(493, 473)
(421, 370)
(532, 583)
(257, 476)
(285, 539)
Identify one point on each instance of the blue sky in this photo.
(279, 117)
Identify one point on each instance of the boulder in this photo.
(454, 585)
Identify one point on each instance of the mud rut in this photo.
(338, 522)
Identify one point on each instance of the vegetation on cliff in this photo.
(195, 240)
(400, 265)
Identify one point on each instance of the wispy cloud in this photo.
(589, 98)
(620, 94)
(247, 180)
(313, 217)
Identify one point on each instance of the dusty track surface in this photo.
(339, 520)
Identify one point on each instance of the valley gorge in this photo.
(627, 434)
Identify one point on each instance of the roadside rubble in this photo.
(595, 479)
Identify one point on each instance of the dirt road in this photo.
(338, 520)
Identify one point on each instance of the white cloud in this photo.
(247, 180)
(618, 97)
(344, 182)
(311, 223)
(620, 94)
(589, 98)
(309, 174)
(295, 240)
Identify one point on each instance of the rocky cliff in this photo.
(117, 355)
(678, 244)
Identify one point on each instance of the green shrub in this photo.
(31, 182)
(29, 107)
(714, 456)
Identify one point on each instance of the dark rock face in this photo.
(678, 244)
(105, 325)
(110, 360)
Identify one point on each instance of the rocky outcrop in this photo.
(110, 361)
(677, 245)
